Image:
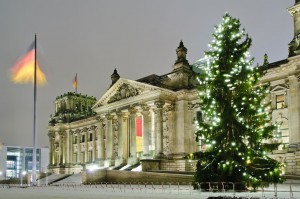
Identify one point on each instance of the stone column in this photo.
(55, 149)
(132, 139)
(121, 138)
(70, 147)
(109, 141)
(121, 135)
(67, 146)
(152, 133)
(126, 136)
(66, 149)
(293, 113)
(51, 148)
(159, 129)
(78, 146)
(61, 148)
(190, 143)
(85, 132)
(169, 129)
(115, 137)
(181, 107)
(100, 142)
(94, 143)
(146, 130)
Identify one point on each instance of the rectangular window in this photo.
(75, 140)
(11, 164)
(29, 165)
(199, 116)
(279, 101)
(82, 138)
(91, 136)
(11, 174)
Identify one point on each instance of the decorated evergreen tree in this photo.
(236, 123)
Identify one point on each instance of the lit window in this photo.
(11, 164)
(279, 101)
(75, 140)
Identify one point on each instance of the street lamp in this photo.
(46, 178)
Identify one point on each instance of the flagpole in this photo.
(34, 119)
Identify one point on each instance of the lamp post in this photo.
(46, 178)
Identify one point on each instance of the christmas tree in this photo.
(236, 123)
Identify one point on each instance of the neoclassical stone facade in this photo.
(149, 120)
(284, 79)
(152, 120)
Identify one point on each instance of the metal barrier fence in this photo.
(226, 187)
(205, 189)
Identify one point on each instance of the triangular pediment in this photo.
(279, 88)
(124, 89)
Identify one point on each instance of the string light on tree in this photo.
(237, 120)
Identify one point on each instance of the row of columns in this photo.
(126, 134)
(120, 139)
(61, 148)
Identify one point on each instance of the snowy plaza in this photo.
(290, 189)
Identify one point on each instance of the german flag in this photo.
(23, 71)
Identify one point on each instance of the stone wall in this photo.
(117, 176)
(178, 165)
(292, 164)
(67, 170)
(169, 165)
(291, 161)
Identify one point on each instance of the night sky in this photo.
(93, 37)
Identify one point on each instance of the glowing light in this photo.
(93, 167)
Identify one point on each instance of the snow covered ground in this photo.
(124, 191)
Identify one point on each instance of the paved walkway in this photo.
(117, 191)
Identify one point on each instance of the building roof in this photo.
(278, 63)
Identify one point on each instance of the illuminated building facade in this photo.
(152, 120)
(284, 79)
(149, 120)
(15, 160)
